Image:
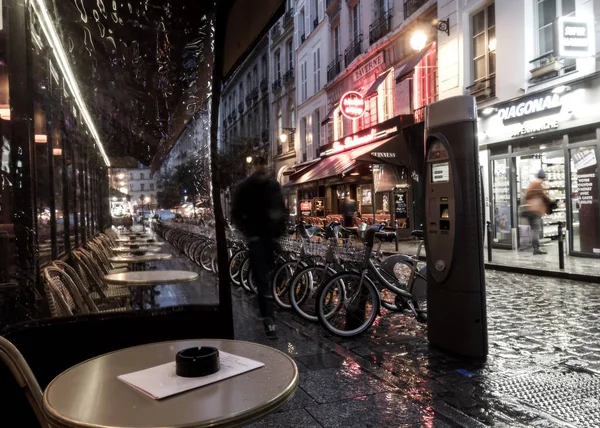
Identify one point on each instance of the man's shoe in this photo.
(270, 328)
(538, 251)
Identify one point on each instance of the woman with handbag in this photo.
(537, 204)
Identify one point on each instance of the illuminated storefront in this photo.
(556, 131)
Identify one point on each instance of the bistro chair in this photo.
(92, 277)
(16, 364)
(63, 297)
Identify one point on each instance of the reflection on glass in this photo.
(57, 153)
(584, 200)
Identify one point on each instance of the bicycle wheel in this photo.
(279, 283)
(206, 257)
(345, 307)
(303, 289)
(244, 273)
(235, 266)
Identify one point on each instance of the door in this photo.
(501, 203)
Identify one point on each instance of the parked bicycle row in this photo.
(325, 274)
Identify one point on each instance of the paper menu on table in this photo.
(161, 381)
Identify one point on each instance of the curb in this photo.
(594, 279)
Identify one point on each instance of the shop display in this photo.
(555, 183)
(501, 202)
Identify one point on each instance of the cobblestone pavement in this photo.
(543, 369)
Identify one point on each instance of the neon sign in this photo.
(352, 105)
(359, 140)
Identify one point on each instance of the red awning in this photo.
(334, 165)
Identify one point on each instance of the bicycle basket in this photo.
(315, 249)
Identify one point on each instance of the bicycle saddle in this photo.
(419, 234)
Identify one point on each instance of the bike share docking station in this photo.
(456, 309)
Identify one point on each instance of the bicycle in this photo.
(353, 299)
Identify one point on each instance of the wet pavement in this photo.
(543, 368)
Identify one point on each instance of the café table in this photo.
(139, 282)
(152, 243)
(90, 395)
(138, 263)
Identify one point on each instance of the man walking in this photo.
(258, 211)
(537, 202)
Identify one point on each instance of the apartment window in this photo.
(355, 21)
(131, 176)
(425, 80)
(141, 175)
(249, 83)
(279, 122)
(278, 65)
(151, 186)
(484, 44)
(301, 24)
(131, 187)
(304, 82)
(303, 136)
(336, 42)
(316, 131)
(317, 69)
(142, 186)
(547, 12)
(315, 15)
(255, 76)
(265, 112)
(265, 67)
(338, 124)
(241, 91)
(385, 98)
(290, 52)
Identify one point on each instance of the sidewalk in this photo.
(576, 268)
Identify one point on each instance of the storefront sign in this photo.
(385, 155)
(401, 207)
(533, 126)
(378, 132)
(575, 37)
(586, 200)
(368, 67)
(530, 108)
(305, 206)
(352, 105)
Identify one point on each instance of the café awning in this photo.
(393, 151)
(333, 165)
(408, 65)
(373, 89)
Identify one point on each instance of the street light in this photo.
(284, 135)
(249, 160)
(418, 40)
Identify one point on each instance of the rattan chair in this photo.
(62, 292)
(24, 377)
(91, 276)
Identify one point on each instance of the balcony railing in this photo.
(234, 114)
(302, 38)
(254, 94)
(483, 89)
(354, 50)
(276, 31)
(380, 27)
(264, 135)
(411, 6)
(248, 100)
(288, 17)
(276, 85)
(241, 107)
(315, 23)
(264, 85)
(334, 68)
(289, 75)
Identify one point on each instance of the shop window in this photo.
(501, 202)
(425, 81)
(585, 226)
(483, 51)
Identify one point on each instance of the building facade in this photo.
(365, 128)
(282, 50)
(533, 67)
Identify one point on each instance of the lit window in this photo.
(483, 29)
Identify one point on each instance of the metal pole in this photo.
(561, 246)
(396, 239)
(489, 240)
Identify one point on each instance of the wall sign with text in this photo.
(352, 105)
(575, 37)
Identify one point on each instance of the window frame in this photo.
(487, 51)
(278, 64)
(290, 49)
(303, 81)
(558, 7)
(317, 70)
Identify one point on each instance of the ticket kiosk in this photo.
(456, 307)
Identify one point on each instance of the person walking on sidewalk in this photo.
(258, 211)
(537, 204)
(349, 207)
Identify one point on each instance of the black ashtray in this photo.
(197, 362)
(150, 240)
(138, 253)
(134, 247)
(132, 238)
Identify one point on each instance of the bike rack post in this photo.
(489, 240)
(561, 246)
(396, 239)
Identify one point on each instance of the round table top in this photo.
(90, 395)
(152, 257)
(129, 250)
(151, 277)
(139, 242)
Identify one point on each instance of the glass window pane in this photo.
(57, 154)
(568, 7)
(584, 200)
(546, 12)
(546, 40)
(501, 203)
(479, 45)
(480, 68)
(492, 63)
(479, 22)
(491, 15)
